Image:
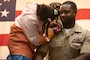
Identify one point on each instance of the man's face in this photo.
(67, 15)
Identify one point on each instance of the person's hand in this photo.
(56, 23)
(53, 24)
(56, 26)
(56, 30)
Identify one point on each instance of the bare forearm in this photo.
(85, 56)
(39, 56)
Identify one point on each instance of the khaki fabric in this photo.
(66, 46)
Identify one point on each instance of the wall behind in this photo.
(83, 19)
(83, 15)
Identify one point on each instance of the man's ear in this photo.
(76, 11)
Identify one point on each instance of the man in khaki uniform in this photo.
(71, 43)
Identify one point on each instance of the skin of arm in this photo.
(39, 55)
(84, 56)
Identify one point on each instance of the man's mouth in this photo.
(62, 19)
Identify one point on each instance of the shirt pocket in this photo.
(76, 42)
(55, 43)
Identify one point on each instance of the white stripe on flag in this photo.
(5, 26)
(84, 24)
(3, 52)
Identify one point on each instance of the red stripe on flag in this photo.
(83, 14)
(17, 13)
(3, 39)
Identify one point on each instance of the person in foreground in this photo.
(29, 31)
(72, 42)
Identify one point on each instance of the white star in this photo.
(6, 0)
(4, 13)
(0, 4)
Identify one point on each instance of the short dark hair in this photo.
(73, 5)
(56, 6)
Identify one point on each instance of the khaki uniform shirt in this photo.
(66, 46)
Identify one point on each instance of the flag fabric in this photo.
(7, 17)
(9, 9)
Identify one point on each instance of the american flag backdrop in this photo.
(9, 9)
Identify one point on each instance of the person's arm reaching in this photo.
(39, 55)
(85, 56)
